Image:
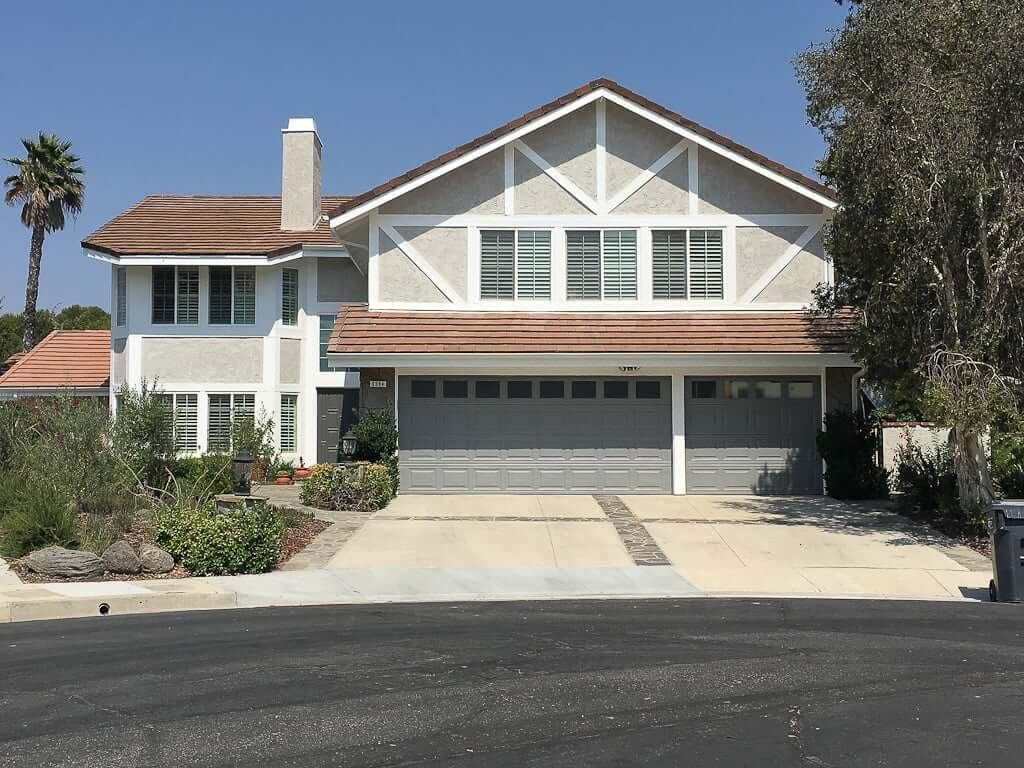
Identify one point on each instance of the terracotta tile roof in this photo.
(358, 330)
(206, 225)
(64, 359)
(594, 85)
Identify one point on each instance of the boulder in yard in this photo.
(119, 557)
(154, 559)
(65, 563)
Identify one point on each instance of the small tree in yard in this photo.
(920, 103)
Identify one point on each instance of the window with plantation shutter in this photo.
(163, 294)
(583, 265)
(289, 407)
(618, 264)
(244, 310)
(220, 295)
(668, 256)
(497, 264)
(122, 296)
(705, 259)
(533, 264)
(243, 407)
(218, 431)
(289, 296)
(186, 423)
(187, 312)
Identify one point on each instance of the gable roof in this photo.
(595, 85)
(234, 225)
(361, 331)
(63, 360)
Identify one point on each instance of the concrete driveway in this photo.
(721, 545)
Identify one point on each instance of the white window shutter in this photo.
(497, 264)
(706, 262)
(583, 264)
(619, 264)
(533, 265)
(668, 252)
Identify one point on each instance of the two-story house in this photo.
(598, 296)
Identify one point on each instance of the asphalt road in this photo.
(675, 683)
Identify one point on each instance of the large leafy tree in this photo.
(48, 185)
(72, 318)
(920, 103)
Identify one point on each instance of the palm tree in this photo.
(49, 185)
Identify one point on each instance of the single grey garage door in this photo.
(534, 435)
(753, 435)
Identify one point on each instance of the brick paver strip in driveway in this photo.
(638, 541)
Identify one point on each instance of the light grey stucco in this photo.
(291, 361)
(726, 187)
(632, 143)
(119, 362)
(203, 360)
(300, 180)
(570, 146)
(757, 248)
(445, 249)
(538, 193)
(797, 281)
(337, 279)
(477, 187)
(401, 280)
(666, 193)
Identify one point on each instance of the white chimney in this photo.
(300, 175)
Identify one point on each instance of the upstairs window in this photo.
(601, 264)
(187, 311)
(175, 295)
(687, 264)
(163, 295)
(290, 296)
(515, 264)
(232, 295)
(121, 300)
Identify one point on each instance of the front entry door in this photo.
(336, 411)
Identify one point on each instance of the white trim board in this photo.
(557, 176)
(781, 263)
(540, 361)
(646, 175)
(142, 260)
(556, 114)
(613, 221)
(421, 263)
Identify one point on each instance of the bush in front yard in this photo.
(1008, 463)
(927, 485)
(361, 487)
(849, 445)
(203, 477)
(36, 514)
(212, 543)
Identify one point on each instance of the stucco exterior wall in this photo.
(188, 360)
(445, 250)
(667, 193)
(726, 187)
(537, 193)
(477, 187)
(374, 398)
(338, 280)
(924, 437)
(797, 281)
(632, 144)
(757, 248)
(119, 361)
(290, 361)
(570, 146)
(401, 280)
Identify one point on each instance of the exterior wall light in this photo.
(348, 445)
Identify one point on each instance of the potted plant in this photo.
(301, 471)
(282, 472)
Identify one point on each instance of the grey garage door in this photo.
(753, 435)
(534, 435)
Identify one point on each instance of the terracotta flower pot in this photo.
(302, 473)
(282, 480)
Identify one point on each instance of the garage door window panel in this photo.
(648, 390)
(423, 388)
(455, 389)
(487, 390)
(520, 390)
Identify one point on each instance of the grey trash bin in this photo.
(1006, 525)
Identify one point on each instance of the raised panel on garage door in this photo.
(558, 439)
(749, 434)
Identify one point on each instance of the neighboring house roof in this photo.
(611, 85)
(234, 225)
(63, 360)
(358, 330)
(6, 364)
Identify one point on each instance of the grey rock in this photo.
(66, 563)
(119, 557)
(154, 559)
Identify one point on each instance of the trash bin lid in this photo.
(1012, 509)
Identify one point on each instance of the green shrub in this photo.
(203, 477)
(376, 436)
(926, 481)
(212, 543)
(255, 434)
(361, 487)
(1008, 464)
(849, 446)
(142, 440)
(38, 515)
(105, 517)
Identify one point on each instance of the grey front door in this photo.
(747, 434)
(535, 434)
(336, 411)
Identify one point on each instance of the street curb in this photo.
(35, 606)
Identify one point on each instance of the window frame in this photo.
(289, 304)
(233, 310)
(292, 398)
(233, 413)
(601, 296)
(170, 401)
(120, 297)
(688, 265)
(516, 263)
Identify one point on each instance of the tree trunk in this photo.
(971, 466)
(35, 257)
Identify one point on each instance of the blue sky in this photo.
(190, 97)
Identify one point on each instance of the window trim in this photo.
(515, 264)
(638, 243)
(687, 231)
(232, 415)
(121, 297)
(293, 305)
(255, 294)
(293, 397)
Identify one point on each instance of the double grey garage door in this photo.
(535, 434)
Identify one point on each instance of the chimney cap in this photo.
(300, 125)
